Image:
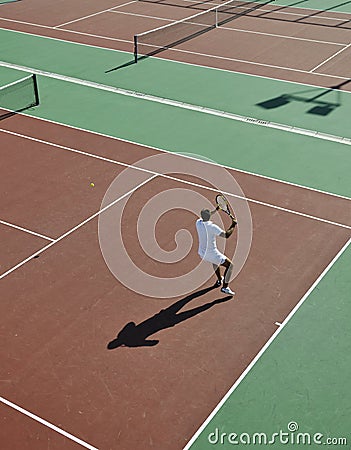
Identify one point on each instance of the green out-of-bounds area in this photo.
(10, 75)
(287, 156)
(321, 5)
(303, 160)
(300, 384)
(314, 108)
(2, 2)
(303, 376)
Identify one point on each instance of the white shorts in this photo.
(216, 257)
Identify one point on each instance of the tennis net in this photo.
(20, 94)
(162, 38)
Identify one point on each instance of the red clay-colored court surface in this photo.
(63, 307)
(113, 334)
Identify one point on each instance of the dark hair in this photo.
(205, 214)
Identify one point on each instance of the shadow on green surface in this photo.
(8, 114)
(321, 107)
(304, 19)
(268, 14)
(133, 335)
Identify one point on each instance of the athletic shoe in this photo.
(219, 282)
(227, 290)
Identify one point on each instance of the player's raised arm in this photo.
(229, 232)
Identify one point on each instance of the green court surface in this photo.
(9, 75)
(302, 376)
(291, 157)
(213, 88)
(298, 159)
(324, 5)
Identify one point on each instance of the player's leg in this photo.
(227, 274)
(217, 270)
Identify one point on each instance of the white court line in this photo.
(8, 224)
(73, 438)
(277, 10)
(151, 172)
(91, 15)
(28, 23)
(177, 50)
(265, 347)
(283, 12)
(337, 19)
(278, 80)
(240, 30)
(15, 82)
(278, 180)
(146, 16)
(284, 36)
(17, 266)
(265, 177)
(66, 31)
(302, 15)
(172, 49)
(47, 424)
(330, 58)
(187, 106)
(272, 66)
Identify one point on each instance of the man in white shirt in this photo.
(207, 232)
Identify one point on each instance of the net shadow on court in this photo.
(269, 14)
(18, 96)
(307, 19)
(8, 114)
(155, 41)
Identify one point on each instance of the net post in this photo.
(216, 17)
(36, 91)
(135, 48)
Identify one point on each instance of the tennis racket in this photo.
(223, 204)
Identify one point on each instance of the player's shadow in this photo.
(133, 335)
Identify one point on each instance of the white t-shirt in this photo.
(207, 232)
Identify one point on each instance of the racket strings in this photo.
(222, 203)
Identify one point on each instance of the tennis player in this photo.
(207, 232)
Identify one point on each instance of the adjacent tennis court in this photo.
(120, 121)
